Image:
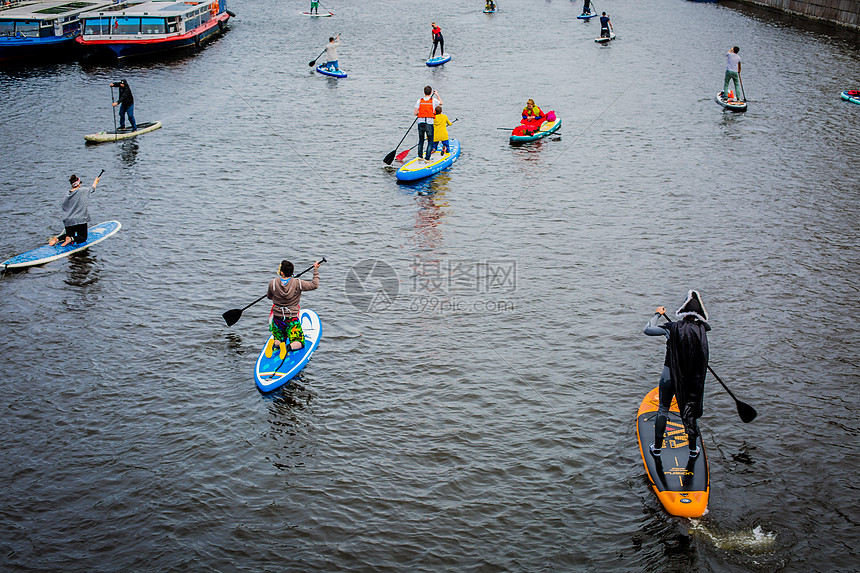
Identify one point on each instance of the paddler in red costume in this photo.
(533, 117)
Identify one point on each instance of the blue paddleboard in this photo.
(272, 373)
(587, 16)
(416, 169)
(438, 60)
(336, 73)
(46, 254)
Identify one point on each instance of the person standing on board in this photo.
(733, 72)
(331, 53)
(125, 101)
(605, 26)
(586, 7)
(684, 368)
(76, 213)
(285, 292)
(425, 110)
(440, 130)
(437, 39)
(315, 7)
(490, 5)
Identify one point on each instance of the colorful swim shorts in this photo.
(289, 329)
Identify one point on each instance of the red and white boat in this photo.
(143, 27)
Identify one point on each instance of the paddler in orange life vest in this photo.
(425, 110)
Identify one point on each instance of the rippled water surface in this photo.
(482, 419)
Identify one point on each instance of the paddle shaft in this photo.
(114, 114)
(312, 62)
(390, 157)
(745, 99)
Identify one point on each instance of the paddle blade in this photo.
(311, 63)
(402, 155)
(389, 158)
(746, 412)
(232, 316)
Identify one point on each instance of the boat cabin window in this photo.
(126, 25)
(25, 28)
(192, 21)
(97, 26)
(152, 25)
(172, 24)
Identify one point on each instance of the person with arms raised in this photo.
(285, 292)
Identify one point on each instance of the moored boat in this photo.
(141, 27)
(43, 28)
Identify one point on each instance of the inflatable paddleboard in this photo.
(323, 15)
(680, 482)
(438, 60)
(46, 254)
(105, 136)
(335, 73)
(416, 169)
(732, 104)
(272, 373)
(587, 16)
(604, 39)
(851, 95)
(546, 128)
(488, 11)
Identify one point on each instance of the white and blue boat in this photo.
(144, 27)
(271, 373)
(419, 169)
(41, 28)
(438, 60)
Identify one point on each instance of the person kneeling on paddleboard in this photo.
(684, 368)
(285, 292)
(331, 53)
(76, 213)
(605, 26)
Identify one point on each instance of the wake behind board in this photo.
(438, 60)
(272, 373)
(604, 39)
(105, 136)
(323, 15)
(732, 104)
(680, 482)
(46, 254)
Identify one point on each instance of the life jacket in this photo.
(536, 111)
(425, 107)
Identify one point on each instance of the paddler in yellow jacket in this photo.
(440, 130)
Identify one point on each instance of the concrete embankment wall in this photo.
(842, 12)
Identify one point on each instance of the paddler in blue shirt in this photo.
(684, 368)
(605, 26)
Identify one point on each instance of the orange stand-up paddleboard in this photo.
(680, 482)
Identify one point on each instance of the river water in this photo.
(471, 406)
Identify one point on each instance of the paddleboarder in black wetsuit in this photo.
(438, 40)
(684, 368)
(125, 101)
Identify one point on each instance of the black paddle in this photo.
(745, 411)
(312, 62)
(390, 157)
(745, 99)
(113, 107)
(232, 316)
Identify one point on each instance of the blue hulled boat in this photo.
(41, 28)
(143, 27)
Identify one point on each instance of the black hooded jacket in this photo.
(124, 98)
(687, 353)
